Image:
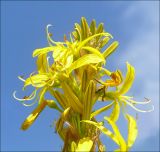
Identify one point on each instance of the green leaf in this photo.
(84, 60)
(84, 145)
(132, 130)
(110, 49)
(128, 80)
(97, 112)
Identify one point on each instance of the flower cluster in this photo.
(77, 79)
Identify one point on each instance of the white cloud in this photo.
(143, 52)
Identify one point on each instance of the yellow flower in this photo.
(72, 73)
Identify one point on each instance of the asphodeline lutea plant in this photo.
(74, 72)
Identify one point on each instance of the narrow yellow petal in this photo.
(33, 116)
(94, 51)
(42, 51)
(110, 49)
(42, 63)
(132, 130)
(64, 116)
(123, 146)
(115, 112)
(84, 60)
(73, 146)
(97, 112)
(128, 80)
(84, 145)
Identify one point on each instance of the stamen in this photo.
(28, 105)
(49, 37)
(31, 97)
(135, 108)
(136, 102)
(21, 78)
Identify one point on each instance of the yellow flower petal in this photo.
(132, 130)
(115, 112)
(84, 60)
(97, 112)
(84, 145)
(94, 51)
(42, 63)
(122, 143)
(33, 116)
(128, 80)
(64, 116)
(110, 49)
(42, 51)
(73, 146)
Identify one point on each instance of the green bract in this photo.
(78, 78)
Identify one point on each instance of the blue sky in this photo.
(134, 24)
